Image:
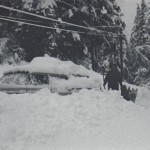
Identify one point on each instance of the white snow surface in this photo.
(87, 120)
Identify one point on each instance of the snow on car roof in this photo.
(52, 65)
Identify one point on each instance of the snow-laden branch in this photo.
(143, 55)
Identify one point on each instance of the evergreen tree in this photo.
(139, 34)
(135, 34)
(138, 54)
(143, 26)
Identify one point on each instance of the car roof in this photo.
(50, 65)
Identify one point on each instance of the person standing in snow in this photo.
(113, 78)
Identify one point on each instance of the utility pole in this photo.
(121, 53)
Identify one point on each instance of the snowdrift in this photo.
(88, 120)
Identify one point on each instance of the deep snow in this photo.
(89, 119)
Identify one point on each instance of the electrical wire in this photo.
(47, 18)
(20, 19)
(11, 19)
(41, 26)
(43, 17)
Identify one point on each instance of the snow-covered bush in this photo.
(10, 52)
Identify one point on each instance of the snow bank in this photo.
(143, 95)
(88, 120)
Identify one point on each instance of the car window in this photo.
(16, 78)
(21, 79)
(39, 79)
(25, 79)
(8, 78)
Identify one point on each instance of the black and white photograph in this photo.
(74, 74)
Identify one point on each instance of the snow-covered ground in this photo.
(87, 120)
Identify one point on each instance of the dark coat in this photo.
(113, 78)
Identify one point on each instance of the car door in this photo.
(59, 84)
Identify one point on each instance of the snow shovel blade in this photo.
(129, 94)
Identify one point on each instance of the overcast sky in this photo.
(128, 8)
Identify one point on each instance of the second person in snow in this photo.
(113, 78)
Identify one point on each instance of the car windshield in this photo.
(25, 79)
(16, 78)
(7, 78)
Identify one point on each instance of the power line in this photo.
(47, 18)
(20, 19)
(11, 19)
(43, 17)
(31, 24)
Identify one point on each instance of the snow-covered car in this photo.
(46, 72)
